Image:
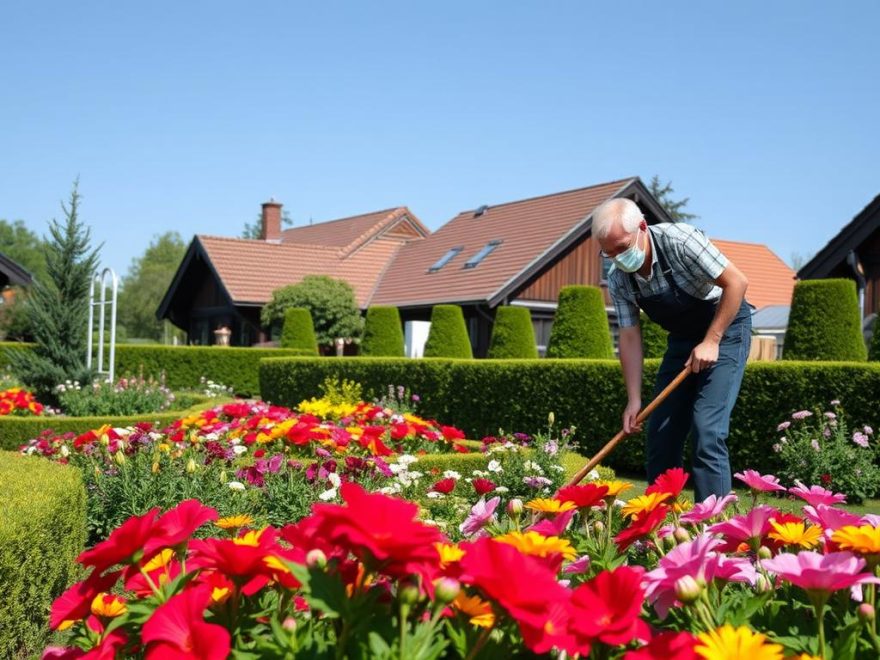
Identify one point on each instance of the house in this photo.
(853, 253)
(224, 282)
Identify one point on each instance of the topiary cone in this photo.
(580, 329)
(383, 335)
(824, 322)
(448, 336)
(298, 330)
(513, 335)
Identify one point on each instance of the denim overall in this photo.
(703, 402)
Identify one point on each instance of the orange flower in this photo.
(108, 606)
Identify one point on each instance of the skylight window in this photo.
(445, 259)
(475, 260)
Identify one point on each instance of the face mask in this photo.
(632, 259)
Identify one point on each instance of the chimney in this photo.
(270, 227)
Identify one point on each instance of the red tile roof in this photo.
(527, 229)
(771, 281)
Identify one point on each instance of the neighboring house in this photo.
(11, 275)
(226, 281)
(853, 253)
(772, 321)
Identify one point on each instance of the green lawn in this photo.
(573, 462)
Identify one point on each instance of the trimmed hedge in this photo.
(383, 333)
(653, 338)
(183, 366)
(824, 323)
(42, 530)
(580, 328)
(448, 336)
(513, 335)
(298, 331)
(16, 431)
(482, 396)
(874, 352)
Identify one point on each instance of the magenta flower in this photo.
(815, 495)
(758, 482)
(578, 566)
(829, 518)
(814, 572)
(555, 526)
(481, 514)
(860, 439)
(697, 559)
(749, 528)
(709, 508)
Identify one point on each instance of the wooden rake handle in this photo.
(642, 416)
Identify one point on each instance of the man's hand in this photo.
(704, 355)
(629, 417)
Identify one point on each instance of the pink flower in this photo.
(555, 526)
(860, 439)
(758, 482)
(578, 566)
(709, 508)
(812, 571)
(481, 514)
(829, 518)
(750, 528)
(815, 495)
(697, 559)
(801, 414)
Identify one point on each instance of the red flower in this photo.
(451, 433)
(178, 525)
(607, 608)
(524, 587)
(444, 486)
(642, 525)
(124, 545)
(242, 559)
(371, 440)
(177, 630)
(483, 486)
(106, 650)
(76, 603)
(583, 496)
(672, 481)
(678, 645)
(377, 529)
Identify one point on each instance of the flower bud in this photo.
(551, 418)
(681, 535)
(446, 590)
(409, 595)
(316, 559)
(515, 507)
(763, 584)
(190, 466)
(598, 527)
(289, 624)
(222, 476)
(119, 458)
(765, 553)
(667, 542)
(104, 439)
(155, 467)
(687, 589)
(866, 612)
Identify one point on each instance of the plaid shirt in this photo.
(695, 264)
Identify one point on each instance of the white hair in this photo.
(618, 210)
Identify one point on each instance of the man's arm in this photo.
(733, 289)
(631, 364)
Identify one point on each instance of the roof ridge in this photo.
(387, 218)
(556, 194)
(350, 217)
(257, 241)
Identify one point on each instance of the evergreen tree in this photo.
(383, 336)
(513, 335)
(448, 336)
(298, 331)
(58, 307)
(580, 328)
(662, 192)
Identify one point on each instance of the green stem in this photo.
(404, 612)
(481, 642)
(820, 622)
(610, 505)
(152, 584)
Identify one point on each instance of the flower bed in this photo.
(651, 577)
(19, 402)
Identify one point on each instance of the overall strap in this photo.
(665, 268)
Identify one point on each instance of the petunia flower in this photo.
(711, 507)
(814, 572)
(124, 545)
(177, 525)
(554, 526)
(829, 518)
(578, 566)
(750, 528)
(76, 602)
(177, 629)
(758, 482)
(482, 513)
(607, 608)
(815, 495)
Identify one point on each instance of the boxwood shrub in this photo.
(824, 323)
(183, 366)
(516, 395)
(383, 333)
(580, 329)
(15, 431)
(513, 335)
(448, 336)
(298, 331)
(42, 530)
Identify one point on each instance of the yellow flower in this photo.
(108, 606)
(864, 540)
(537, 545)
(449, 553)
(251, 538)
(796, 533)
(615, 488)
(682, 505)
(550, 506)
(644, 503)
(479, 611)
(159, 561)
(234, 522)
(164, 446)
(729, 643)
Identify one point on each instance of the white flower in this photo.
(328, 495)
(534, 467)
(407, 459)
(434, 495)
(495, 466)
(65, 451)
(238, 450)
(451, 474)
(235, 485)
(397, 468)
(558, 468)
(592, 475)
(334, 479)
(390, 490)
(619, 504)
(415, 475)
(502, 489)
(480, 473)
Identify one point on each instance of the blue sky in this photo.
(188, 115)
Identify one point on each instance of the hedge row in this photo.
(516, 395)
(42, 530)
(183, 366)
(16, 431)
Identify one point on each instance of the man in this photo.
(682, 282)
